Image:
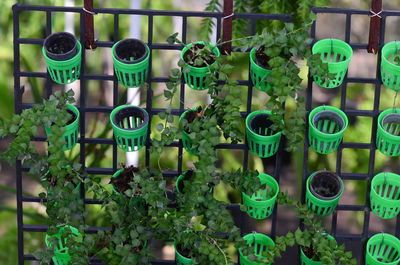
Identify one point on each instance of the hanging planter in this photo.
(388, 132)
(185, 177)
(324, 189)
(130, 127)
(326, 128)
(181, 255)
(62, 53)
(61, 256)
(259, 70)
(260, 242)
(195, 75)
(261, 140)
(385, 195)
(186, 141)
(337, 54)
(383, 249)
(307, 256)
(390, 69)
(71, 129)
(261, 204)
(120, 183)
(131, 61)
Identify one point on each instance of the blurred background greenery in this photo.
(32, 25)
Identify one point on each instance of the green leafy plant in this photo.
(132, 207)
(59, 177)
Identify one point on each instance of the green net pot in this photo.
(337, 54)
(195, 77)
(138, 200)
(261, 140)
(258, 74)
(388, 132)
(390, 71)
(131, 74)
(385, 195)
(130, 125)
(319, 206)
(71, 130)
(383, 249)
(326, 128)
(182, 178)
(181, 260)
(304, 260)
(186, 141)
(61, 256)
(66, 71)
(260, 242)
(261, 203)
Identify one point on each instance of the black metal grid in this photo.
(19, 106)
(352, 113)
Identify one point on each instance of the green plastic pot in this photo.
(262, 141)
(186, 141)
(71, 130)
(388, 132)
(64, 71)
(390, 71)
(341, 52)
(181, 178)
(376, 254)
(258, 74)
(135, 199)
(385, 195)
(326, 128)
(131, 73)
(319, 206)
(130, 127)
(260, 242)
(61, 256)
(181, 260)
(195, 77)
(260, 205)
(304, 260)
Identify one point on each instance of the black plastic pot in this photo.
(129, 49)
(61, 46)
(325, 185)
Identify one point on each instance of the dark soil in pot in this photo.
(325, 185)
(131, 51)
(191, 55)
(183, 251)
(61, 46)
(309, 252)
(262, 59)
(121, 182)
(191, 115)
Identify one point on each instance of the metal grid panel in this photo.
(19, 106)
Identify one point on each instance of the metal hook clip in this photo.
(331, 45)
(394, 102)
(324, 107)
(383, 237)
(89, 12)
(254, 237)
(228, 16)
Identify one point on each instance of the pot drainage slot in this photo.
(328, 121)
(131, 118)
(260, 124)
(391, 123)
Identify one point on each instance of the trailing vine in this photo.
(60, 177)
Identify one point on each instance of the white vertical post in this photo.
(69, 19)
(133, 93)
